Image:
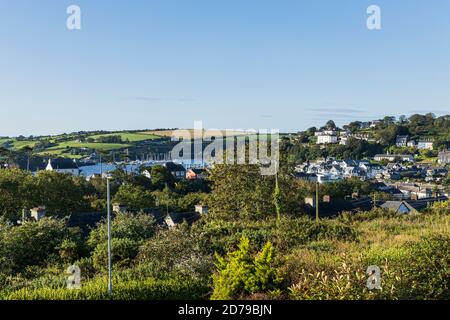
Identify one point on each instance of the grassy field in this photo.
(95, 146)
(168, 133)
(132, 137)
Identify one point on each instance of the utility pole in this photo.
(317, 201)
(109, 236)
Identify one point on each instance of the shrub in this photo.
(239, 273)
(428, 268)
(123, 251)
(134, 227)
(172, 252)
(347, 282)
(31, 244)
(299, 231)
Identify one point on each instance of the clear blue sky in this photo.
(231, 63)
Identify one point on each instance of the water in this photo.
(134, 167)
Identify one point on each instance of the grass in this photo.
(17, 145)
(95, 146)
(168, 133)
(96, 289)
(59, 153)
(130, 136)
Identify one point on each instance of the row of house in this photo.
(328, 136)
(68, 166)
(180, 172)
(330, 169)
(405, 141)
(88, 220)
(329, 208)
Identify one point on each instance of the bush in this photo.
(31, 244)
(174, 252)
(239, 273)
(428, 268)
(137, 228)
(123, 251)
(346, 282)
(299, 231)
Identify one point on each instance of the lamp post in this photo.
(317, 202)
(108, 178)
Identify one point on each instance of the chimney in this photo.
(327, 198)
(201, 209)
(38, 213)
(311, 201)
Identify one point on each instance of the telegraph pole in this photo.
(109, 236)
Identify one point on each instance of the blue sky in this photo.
(275, 64)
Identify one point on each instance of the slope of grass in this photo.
(130, 136)
(95, 146)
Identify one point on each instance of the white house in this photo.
(444, 157)
(425, 144)
(38, 213)
(402, 141)
(326, 137)
(63, 166)
(394, 157)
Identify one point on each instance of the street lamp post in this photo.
(109, 236)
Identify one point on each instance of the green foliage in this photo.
(135, 197)
(161, 177)
(14, 193)
(60, 194)
(124, 250)
(346, 282)
(241, 192)
(297, 231)
(239, 273)
(32, 244)
(128, 232)
(427, 271)
(142, 289)
(175, 252)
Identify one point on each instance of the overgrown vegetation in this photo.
(254, 243)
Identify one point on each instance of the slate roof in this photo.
(189, 217)
(85, 220)
(412, 204)
(172, 167)
(338, 206)
(396, 205)
(198, 170)
(63, 164)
